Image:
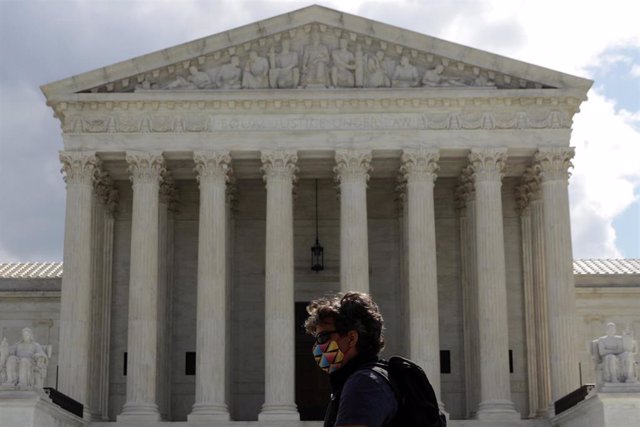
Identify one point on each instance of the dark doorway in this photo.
(312, 385)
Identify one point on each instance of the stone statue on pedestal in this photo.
(614, 357)
(24, 364)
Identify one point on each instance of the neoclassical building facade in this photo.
(198, 177)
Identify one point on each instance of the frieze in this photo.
(316, 56)
(200, 122)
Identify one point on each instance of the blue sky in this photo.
(43, 41)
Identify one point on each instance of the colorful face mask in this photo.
(328, 356)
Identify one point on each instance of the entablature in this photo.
(193, 112)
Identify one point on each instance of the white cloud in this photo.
(571, 36)
(606, 175)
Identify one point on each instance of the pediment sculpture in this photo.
(614, 357)
(23, 365)
(315, 59)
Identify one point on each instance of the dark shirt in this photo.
(366, 399)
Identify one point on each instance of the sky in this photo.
(45, 41)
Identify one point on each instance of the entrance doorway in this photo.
(312, 385)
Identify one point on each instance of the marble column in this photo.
(146, 169)
(465, 196)
(554, 163)
(352, 172)
(211, 366)
(495, 389)
(279, 168)
(522, 194)
(403, 213)
(167, 206)
(540, 300)
(79, 170)
(419, 169)
(104, 205)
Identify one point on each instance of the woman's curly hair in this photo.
(351, 311)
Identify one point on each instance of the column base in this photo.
(279, 413)
(139, 412)
(205, 412)
(497, 410)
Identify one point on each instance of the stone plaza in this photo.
(434, 175)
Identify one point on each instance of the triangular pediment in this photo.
(315, 47)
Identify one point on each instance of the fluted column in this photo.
(419, 168)
(213, 173)
(465, 195)
(554, 164)
(167, 206)
(352, 172)
(104, 204)
(495, 389)
(538, 338)
(540, 300)
(279, 168)
(522, 197)
(146, 169)
(75, 303)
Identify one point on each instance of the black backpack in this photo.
(417, 403)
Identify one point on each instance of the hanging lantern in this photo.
(317, 251)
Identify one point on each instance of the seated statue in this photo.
(376, 75)
(614, 356)
(256, 72)
(26, 362)
(230, 75)
(405, 75)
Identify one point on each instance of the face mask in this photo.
(328, 356)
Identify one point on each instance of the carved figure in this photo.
(195, 80)
(344, 66)
(315, 63)
(256, 72)
(405, 75)
(484, 81)
(230, 75)
(376, 74)
(284, 71)
(26, 364)
(614, 356)
(434, 77)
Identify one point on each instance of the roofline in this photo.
(283, 22)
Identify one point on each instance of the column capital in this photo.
(420, 164)
(352, 163)
(104, 189)
(212, 166)
(465, 191)
(554, 163)
(145, 166)
(488, 164)
(79, 167)
(279, 163)
(529, 189)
